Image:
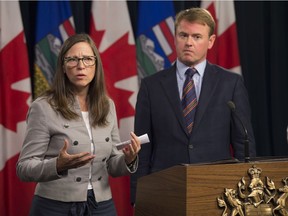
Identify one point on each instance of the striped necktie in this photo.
(189, 99)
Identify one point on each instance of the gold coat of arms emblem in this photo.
(257, 197)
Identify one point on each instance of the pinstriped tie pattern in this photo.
(189, 99)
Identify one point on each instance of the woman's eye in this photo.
(72, 60)
(88, 59)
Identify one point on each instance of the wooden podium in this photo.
(194, 189)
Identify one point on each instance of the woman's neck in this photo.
(82, 99)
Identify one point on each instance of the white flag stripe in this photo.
(7, 14)
(63, 33)
(162, 40)
(170, 23)
(128, 124)
(206, 4)
(226, 14)
(236, 69)
(11, 142)
(115, 23)
(22, 85)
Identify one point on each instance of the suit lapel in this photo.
(209, 84)
(169, 85)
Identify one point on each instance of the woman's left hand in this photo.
(132, 150)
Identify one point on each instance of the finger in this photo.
(135, 145)
(81, 156)
(136, 139)
(83, 161)
(128, 151)
(133, 134)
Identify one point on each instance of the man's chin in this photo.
(189, 62)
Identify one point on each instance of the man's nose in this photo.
(189, 41)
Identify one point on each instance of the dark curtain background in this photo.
(263, 43)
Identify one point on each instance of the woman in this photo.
(69, 148)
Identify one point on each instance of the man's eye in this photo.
(182, 35)
(196, 37)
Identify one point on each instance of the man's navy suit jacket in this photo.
(215, 131)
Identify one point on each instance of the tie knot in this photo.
(190, 72)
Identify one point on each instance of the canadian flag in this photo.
(112, 32)
(225, 50)
(15, 97)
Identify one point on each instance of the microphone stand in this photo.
(246, 146)
(246, 140)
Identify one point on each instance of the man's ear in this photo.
(211, 41)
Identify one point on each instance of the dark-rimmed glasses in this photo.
(74, 61)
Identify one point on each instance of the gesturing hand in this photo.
(67, 161)
(132, 150)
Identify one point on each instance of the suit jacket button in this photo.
(103, 159)
(191, 147)
(99, 178)
(78, 179)
(75, 142)
(107, 139)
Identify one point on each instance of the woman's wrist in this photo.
(130, 165)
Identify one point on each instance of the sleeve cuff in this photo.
(132, 167)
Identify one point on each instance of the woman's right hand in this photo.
(67, 161)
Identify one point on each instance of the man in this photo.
(213, 128)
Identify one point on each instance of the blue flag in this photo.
(53, 26)
(155, 36)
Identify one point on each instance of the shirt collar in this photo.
(181, 68)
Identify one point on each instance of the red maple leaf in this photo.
(119, 63)
(14, 67)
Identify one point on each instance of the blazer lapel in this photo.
(209, 84)
(169, 84)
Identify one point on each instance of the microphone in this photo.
(232, 106)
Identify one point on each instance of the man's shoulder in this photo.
(221, 70)
(161, 73)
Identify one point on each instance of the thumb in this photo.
(65, 146)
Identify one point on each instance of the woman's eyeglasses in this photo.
(74, 61)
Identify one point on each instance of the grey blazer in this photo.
(46, 131)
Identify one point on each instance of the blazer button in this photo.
(99, 178)
(75, 142)
(107, 139)
(190, 147)
(78, 179)
(103, 159)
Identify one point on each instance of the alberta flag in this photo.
(53, 26)
(15, 98)
(111, 29)
(155, 36)
(225, 50)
